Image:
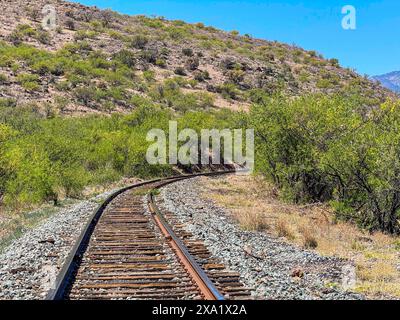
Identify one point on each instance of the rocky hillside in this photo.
(101, 61)
(390, 80)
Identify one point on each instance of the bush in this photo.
(228, 64)
(3, 79)
(43, 37)
(126, 57)
(320, 149)
(85, 95)
(312, 53)
(193, 63)
(106, 17)
(149, 75)
(236, 76)
(149, 56)
(161, 63)
(324, 84)
(334, 62)
(187, 52)
(85, 34)
(309, 240)
(15, 38)
(70, 24)
(180, 71)
(201, 76)
(139, 41)
(28, 81)
(228, 91)
(26, 30)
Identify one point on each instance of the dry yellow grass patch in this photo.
(255, 205)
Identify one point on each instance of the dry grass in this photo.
(255, 205)
(283, 229)
(309, 240)
(252, 221)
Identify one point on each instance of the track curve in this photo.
(128, 251)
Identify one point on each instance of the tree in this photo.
(107, 17)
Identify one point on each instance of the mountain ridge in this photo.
(100, 61)
(390, 80)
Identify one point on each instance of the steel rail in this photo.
(66, 274)
(202, 280)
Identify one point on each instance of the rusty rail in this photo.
(206, 286)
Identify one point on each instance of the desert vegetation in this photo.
(97, 61)
(256, 205)
(315, 149)
(47, 158)
(336, 150)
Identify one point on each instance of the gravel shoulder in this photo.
(29, 266)
(273, 268)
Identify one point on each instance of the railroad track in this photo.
(133, 250)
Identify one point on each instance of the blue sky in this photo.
(373, 48)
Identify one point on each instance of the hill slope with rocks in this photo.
(101, 61)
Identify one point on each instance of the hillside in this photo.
(390, 80)
(101, 61)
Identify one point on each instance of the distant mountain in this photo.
(390, 80)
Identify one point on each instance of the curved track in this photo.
(133, 250)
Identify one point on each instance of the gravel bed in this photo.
(273, 268)
(29, 266)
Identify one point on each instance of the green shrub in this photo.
(126, 57)
(177, 33)
(324, 83)
(26, 30)
(304, 77)
(161, 63)
(180, 71)
(192, 63)
(334, 62)
(107, 17)
(201, 76)
(236, 76)
(228, 91)
(312, 53)
(7, 103)
(139, 41)
(70, 24)
(85, 95)
(149, 56)
(329, 149)
(43, 37)
(3, 79)
(152, 23)
(149, 75)
(85, 34)
(29, 82)
(187, 52)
